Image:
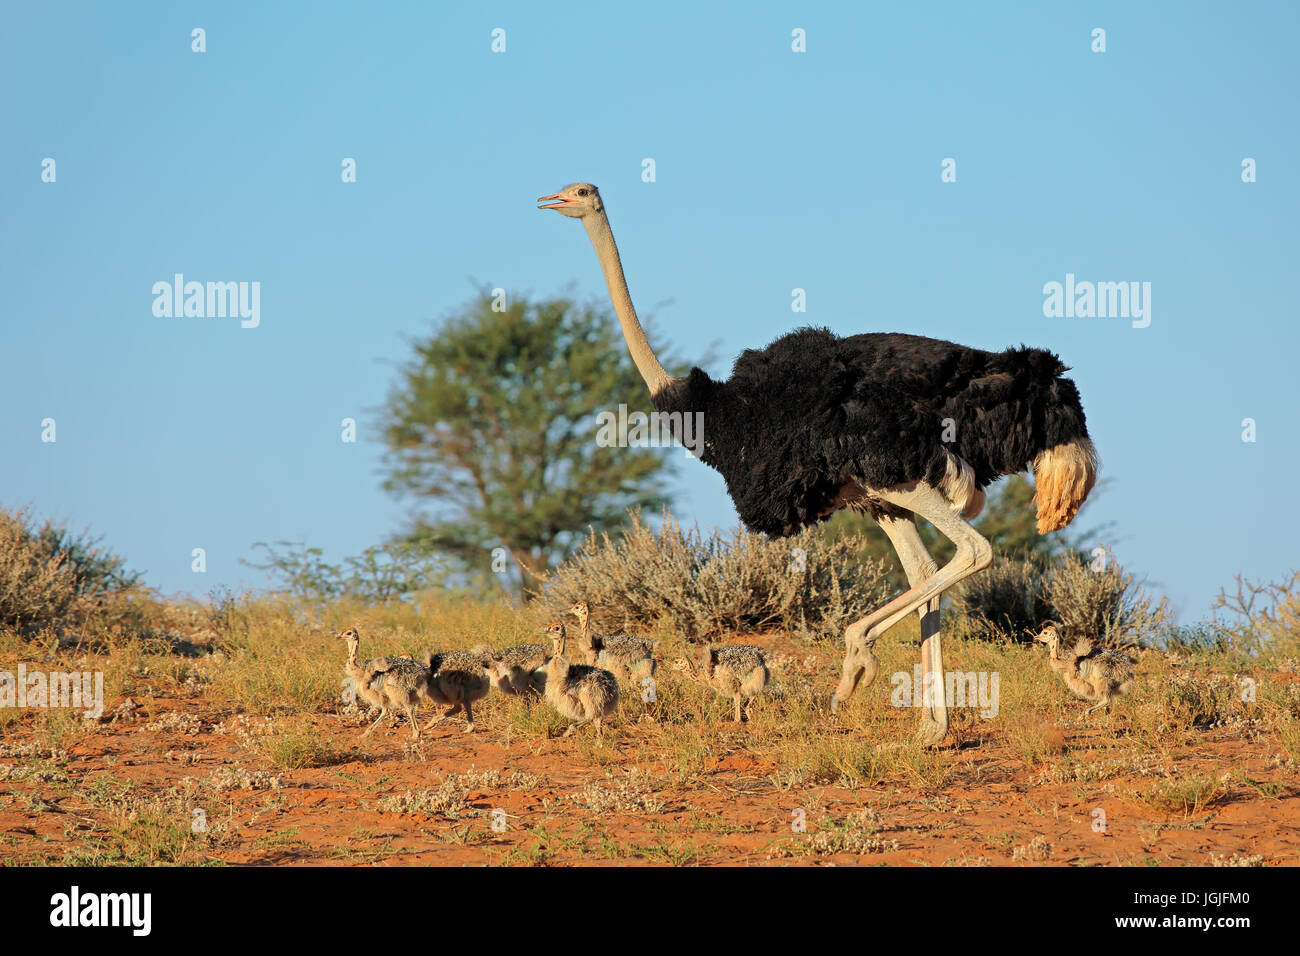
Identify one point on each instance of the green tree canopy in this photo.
(380, 573)
(491, 432)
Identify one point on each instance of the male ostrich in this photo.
(816, 422)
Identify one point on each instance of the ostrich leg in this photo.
(934, 706)
(973, 554)
(859, 658)
(382, 714)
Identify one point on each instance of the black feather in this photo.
(799, 419)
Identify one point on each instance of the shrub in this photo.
(1261, 619)
(37, 588)
(725, 582)
(1016, 598)
(1008, 598)
(380, 573)
(47, 572)
(1188, 700)
(95, 570)
(1104, 604)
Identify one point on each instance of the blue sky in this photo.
(775, 170)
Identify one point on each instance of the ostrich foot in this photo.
(443, 716)
(860, 667)
(378, 721)
(578, 725)
(931, 733)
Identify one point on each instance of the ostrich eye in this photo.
(582, 192)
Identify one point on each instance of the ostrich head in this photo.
(352, 636)
(1049, 636)
(555, 631)
(580, 611)
(691, 668)
(574, 201)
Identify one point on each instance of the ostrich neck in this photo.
(602, 239)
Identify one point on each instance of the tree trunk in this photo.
(532, 568)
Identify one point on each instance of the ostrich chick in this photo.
(386, 683)
(519, 670)
(1096, 674)
(456, 680)
(580, 692)
(622, 654)
(738, 671)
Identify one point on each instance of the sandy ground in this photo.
(196, 787)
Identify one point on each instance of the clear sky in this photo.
(775, 170)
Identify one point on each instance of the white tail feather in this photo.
(960, 488)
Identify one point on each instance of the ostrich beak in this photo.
(559, 201)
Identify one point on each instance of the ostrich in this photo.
(737, 671)
(455, 680)
(621, 654)
(386, 683)
(816, 422)
(518, 670)
(580, 692)
(1097, 674)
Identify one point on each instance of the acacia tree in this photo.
(491, 432)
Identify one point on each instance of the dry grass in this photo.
(1015, 599)
(269, 679)
(720, 584)
(1187, 794)
(299, 747)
